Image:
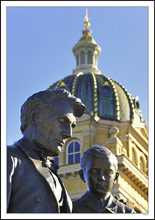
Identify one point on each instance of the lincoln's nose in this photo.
(101, 176)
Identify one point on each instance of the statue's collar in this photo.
(95, 199)
(106, 205)
(30, 148)
(34, 152)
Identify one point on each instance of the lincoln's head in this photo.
(47, 118)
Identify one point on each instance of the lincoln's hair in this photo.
(46, 99)
(98, 152)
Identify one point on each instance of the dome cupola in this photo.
(86, 51)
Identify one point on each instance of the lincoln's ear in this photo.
(116, 177)
(33, 115)
(81, 175)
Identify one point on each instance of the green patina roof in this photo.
(103, 96)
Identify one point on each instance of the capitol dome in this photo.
(104, 97)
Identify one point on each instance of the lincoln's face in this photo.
(53, 127)
(99, 175)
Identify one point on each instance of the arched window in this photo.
(134, 156)
(90, 57)
(142, 164)
(82, 57)
(74, 152)
(106, 90)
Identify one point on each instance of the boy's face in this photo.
(99, 175)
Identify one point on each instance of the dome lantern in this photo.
(86, 51)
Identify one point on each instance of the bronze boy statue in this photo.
(33, 185)
(99, 169)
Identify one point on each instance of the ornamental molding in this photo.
(91, 132)
(85, 68)
(134, 133)
(114, 123)
(85, 117)
(124, 137)
(133, 173)
(113, 131)
(111, 141)
(141, 145)
(70, 170)
(134, 199)
(84, 44)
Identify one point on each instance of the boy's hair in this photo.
(98, 152)
(46, 99)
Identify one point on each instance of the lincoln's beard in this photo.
(48, 148)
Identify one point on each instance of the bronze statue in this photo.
(33, 185)
(99, 169)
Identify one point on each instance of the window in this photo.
(142, 164)
(106, 90)
(77, 60)
(134, 157)
(74, 152)
(82, 57)
(56, 160)
(90, 57)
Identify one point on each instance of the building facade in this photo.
(113, 119)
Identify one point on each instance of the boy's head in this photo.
(99, 169)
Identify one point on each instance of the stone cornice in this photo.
(142, 146)
(91, 132)
(69, 170)
(138, 136)
(132, 172)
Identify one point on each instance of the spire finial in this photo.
(86, 24)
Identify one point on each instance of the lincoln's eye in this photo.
(109, 172)
(94, 171)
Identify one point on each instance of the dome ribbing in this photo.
(104, 98)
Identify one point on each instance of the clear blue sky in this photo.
(39, 51)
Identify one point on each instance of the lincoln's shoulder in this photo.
(14, 158)
(15, 151)
(12, 149)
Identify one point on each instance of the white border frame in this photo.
(4, 6)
